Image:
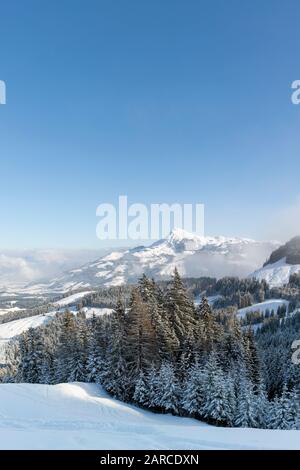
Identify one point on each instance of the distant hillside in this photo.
(283, 262)
(290, 251)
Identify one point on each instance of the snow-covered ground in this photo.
(83, 416)
(276, 274)
(271, 304)
(71, 299)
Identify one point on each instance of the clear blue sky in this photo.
(162, 100)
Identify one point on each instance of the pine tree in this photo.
(164, 340)
(232, 346)
(140, 336)
(251, 356)
(32, 356)
(192, 399)
(153, 386)
(262, 406)
(211, 331)
(169, 394)
(141, 391)
(78, 361)
(115, 370)
(246, 413)
(284, 411)
(218, 394)
(95, 354)
(64, 361)
(181, 310)
(118, 384)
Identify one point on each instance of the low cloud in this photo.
(22, 267)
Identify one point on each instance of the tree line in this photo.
(164, 354)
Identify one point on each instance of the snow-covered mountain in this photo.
(194, 256)
(282, 263)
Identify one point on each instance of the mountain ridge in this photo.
(193, 255)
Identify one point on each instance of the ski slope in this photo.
(271, 305)
(71, 299)
(83, 416)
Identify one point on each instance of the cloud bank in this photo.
(22, 267)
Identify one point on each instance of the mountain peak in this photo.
(178, 234)
(193, 255)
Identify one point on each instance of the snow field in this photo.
(83, 416)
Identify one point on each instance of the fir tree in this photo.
(181, 310)
(192, 399)
(141, 391)
(284, 411)
(218, 394)
(246, 413)
(168, 393)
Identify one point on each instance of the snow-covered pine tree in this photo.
(211, 331)
(181, 310)
(218, 394)
(115, 371)
(141, 391)
(186, 359)
(168, 397)
(164, 339)
(140, 336)
(167, 342)
(153, 386)
(64, 361)
(192, 397)
(31, 356)
(246, 412)
(119, 383)
(232, 347)
(262, 405)
(251, 356)
(78, 359)
(95, 354)
(284, 413)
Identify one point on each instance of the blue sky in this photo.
(165, 101)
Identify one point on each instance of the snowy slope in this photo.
(14, 328)
(276, 274)
(194, 256)
(271, 304)
(83, 416)
(71, 299)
